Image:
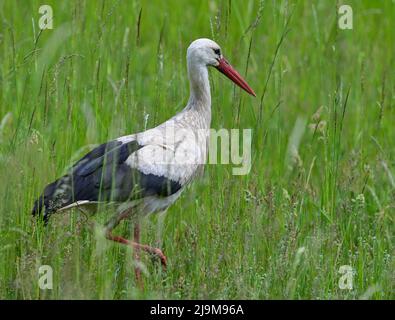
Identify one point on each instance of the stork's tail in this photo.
(54, 197)
(38, 206)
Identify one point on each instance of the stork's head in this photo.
(208, 53)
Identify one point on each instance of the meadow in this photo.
(321, 190)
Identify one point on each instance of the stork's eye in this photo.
(217, 51)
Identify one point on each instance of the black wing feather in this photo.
(103, 175)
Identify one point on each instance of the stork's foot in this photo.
(137, 246)
(156, 252)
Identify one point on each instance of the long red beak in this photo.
(225, 68)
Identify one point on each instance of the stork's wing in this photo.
(104, 175)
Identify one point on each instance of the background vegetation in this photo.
(321, 192)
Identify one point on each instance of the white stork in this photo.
(144, 173)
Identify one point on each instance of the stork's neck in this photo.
(200, 97)
(199, 84)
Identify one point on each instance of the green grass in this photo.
(319, 181)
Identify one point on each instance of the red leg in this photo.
(113, 222)
(155, 251)
(137, 270)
